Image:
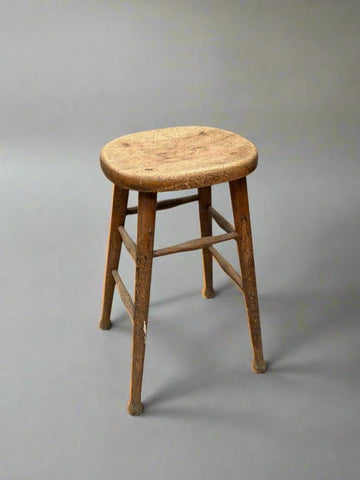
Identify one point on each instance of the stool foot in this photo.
(134, 409)
(105, 324)
(208, 293)
(259, 367)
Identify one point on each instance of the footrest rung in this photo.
(124, 294)
(194, 244)
(167, 203)
(220, 220)
(227, 267)
(129, 243)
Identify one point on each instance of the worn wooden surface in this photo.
(144, 259)
(117, 218)
(206, 231)
(240, 205)
(177, 158)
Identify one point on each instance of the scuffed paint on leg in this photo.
(145, 330)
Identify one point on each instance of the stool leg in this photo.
(206, 230)
(118, 214)
(240, 205)
(144, 258)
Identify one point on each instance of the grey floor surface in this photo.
(64, 383)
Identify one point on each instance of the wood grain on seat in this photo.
(177, 158)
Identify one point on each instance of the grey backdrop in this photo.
(76, 74)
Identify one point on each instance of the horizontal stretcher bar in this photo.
(220, 220)
(124, 294)
(194, 244)
(168, 203)
(227, 267)
(129, 243)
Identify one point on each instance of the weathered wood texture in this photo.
(194, 244)
(240, 205)
(206, 231)
(177, 158)
(117, 218)
(144, 259)
(168, 203)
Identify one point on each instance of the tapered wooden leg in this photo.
(144, 258)
(240, 205)
(117, 218)
(206, 231)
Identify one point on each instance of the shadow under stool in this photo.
(170, 159)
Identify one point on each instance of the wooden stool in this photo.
(174, 159)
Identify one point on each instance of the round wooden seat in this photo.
(177, 158)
